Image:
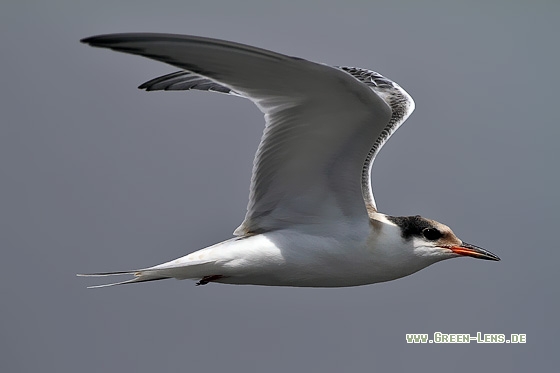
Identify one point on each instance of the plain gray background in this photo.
(97, 175)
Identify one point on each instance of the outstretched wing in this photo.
(323, 125)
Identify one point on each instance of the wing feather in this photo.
(183, 81)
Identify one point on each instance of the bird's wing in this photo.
(184, 81)
(324, 125)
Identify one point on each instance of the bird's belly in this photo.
(300, 260)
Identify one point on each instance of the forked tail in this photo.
(142, 275)
(175, 269)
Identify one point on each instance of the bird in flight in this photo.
(311, 220)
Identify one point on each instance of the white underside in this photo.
(353, 254)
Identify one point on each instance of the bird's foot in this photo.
(207, 279)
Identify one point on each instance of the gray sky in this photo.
(97, 175)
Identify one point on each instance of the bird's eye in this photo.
(432, 234)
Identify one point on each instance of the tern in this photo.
(311, 219)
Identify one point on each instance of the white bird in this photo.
(311, 219)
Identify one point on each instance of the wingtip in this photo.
(146, 87)
(107, 40)
(103, 40)
(90, 40)
(95, 41)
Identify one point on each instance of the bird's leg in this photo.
(207, 279)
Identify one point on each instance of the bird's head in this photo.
(436, 241)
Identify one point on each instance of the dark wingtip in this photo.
(147, 86)
(91, 40)
(104, 40)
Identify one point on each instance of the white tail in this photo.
(142, 275)
(179, 270)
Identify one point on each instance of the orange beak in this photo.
(471, 250)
